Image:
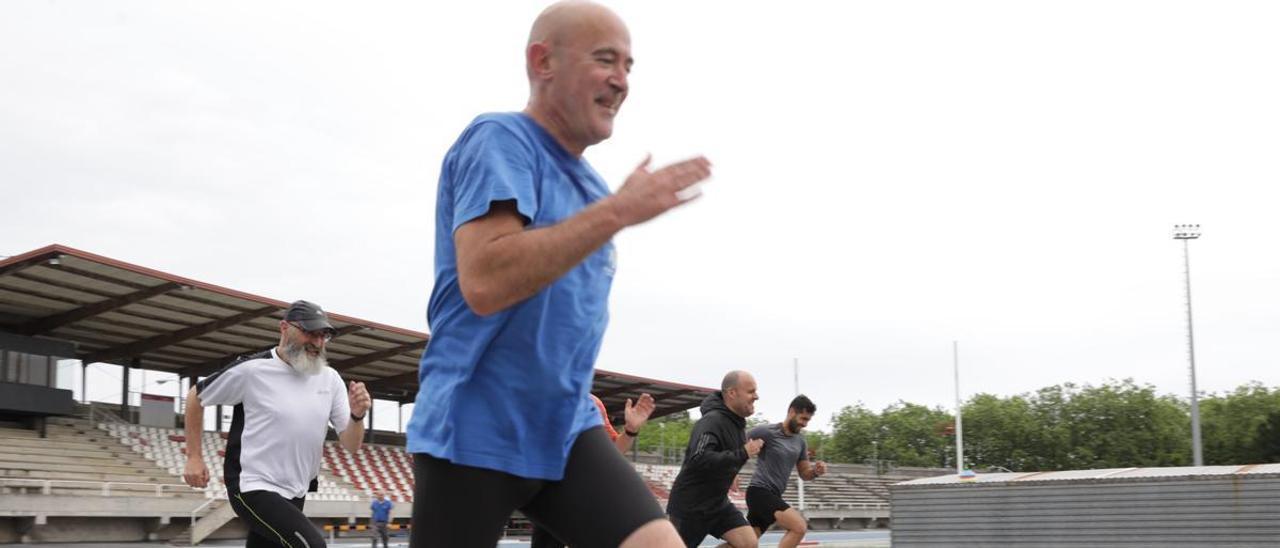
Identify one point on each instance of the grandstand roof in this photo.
(121, 313)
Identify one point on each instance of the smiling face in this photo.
(797, 421)
(304, 350)
(579, 60)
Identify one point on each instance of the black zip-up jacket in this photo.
(712, 460)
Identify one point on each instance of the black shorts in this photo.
(274, 521)
(600, 501)
(761, 504)
(695, 526)
(540, 538)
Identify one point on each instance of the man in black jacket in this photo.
(699, 503)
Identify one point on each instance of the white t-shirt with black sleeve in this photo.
(279, 424)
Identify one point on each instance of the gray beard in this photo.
(296, 355)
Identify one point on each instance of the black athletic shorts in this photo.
(275, 521)
(540, 538)
(761, 504)
(600, 501)
(695, 526)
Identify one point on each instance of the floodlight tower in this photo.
(1186, 233)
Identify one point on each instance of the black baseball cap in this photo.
(308, 316)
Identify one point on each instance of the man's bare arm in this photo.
(809, 471)
(635, 417)
(194, 472)
(358, 403)
(353, 437)
(500, 263)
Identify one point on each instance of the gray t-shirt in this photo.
(778, 457)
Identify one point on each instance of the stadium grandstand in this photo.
(73, 470)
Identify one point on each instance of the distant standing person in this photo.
(784, 448)
(699, 503)
(381, 509)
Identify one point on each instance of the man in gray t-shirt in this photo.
(784, 448)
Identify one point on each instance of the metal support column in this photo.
(124, 393)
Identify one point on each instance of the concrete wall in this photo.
(130, 519)
(93, 506)
(77, 529)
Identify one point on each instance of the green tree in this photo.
(906, 434)
(1232, 424)
(1117, 424)
(816, 441)
(1268, 440)
(1121, 424)
(1050, 444)
(914, 435)
(1002, 432)
(854, 430)
(669, 434)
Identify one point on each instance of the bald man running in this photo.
(699, 503)
(523, 265)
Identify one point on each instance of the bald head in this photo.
(738, 389)
(731, 380)
(558, 24)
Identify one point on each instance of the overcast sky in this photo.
(889, 176)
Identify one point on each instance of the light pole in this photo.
(1186, 233)
(955, 357)
(875, 452)
(795, 369)
(662, 441)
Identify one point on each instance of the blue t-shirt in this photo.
(381, 510)
(510, 391)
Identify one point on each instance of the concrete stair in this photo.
(77, 458)
(217, 514)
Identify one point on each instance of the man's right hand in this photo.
(195, 473)
(753, 447)
(647, 194)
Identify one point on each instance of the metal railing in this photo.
(104, 487)
(97, 413)
(849, 506)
